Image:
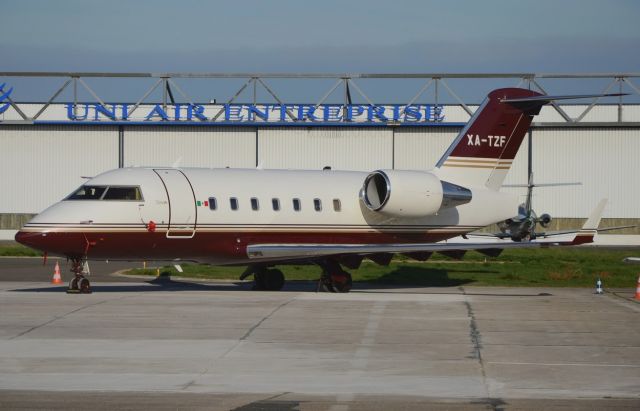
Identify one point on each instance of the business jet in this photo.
(263, 218)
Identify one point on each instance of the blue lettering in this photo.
(427, 113)
(176, 111)
(73, 116)
(255, 112)
(332, 112)
(377, 112)
(306, 111)
(233, 112)
(283, 110)
(125, 112)
(412, 113)
(196, 111)
(354, 111)
(157, 111)
(396, 113)
(100, 109)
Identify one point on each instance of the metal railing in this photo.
(347, 82)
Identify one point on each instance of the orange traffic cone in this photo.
(638, 289)
(57, 278)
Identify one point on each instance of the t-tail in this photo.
(482, 153)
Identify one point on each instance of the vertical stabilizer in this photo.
(481, 155)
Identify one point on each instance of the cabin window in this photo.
(213, 204)
(336, 205)
(254, 204)
(234, 203)
(87, 193)
(276, 204)
(123, 193)
(296, 204)
(317, 204)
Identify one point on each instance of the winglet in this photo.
(590, 227)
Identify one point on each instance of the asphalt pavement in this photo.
(144, 344)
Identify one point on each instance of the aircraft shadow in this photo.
(167, 284)
(414, 278)
(407, 278)
(421, 277)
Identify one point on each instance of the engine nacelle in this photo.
(544, 220)
(410, 193)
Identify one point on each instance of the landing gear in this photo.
(79, 284)
(334, 279)
(268, 279)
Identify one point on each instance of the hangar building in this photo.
(48, 147)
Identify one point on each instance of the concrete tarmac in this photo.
(174, 345)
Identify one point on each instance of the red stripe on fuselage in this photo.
(218, 247)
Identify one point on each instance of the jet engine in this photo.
(544, 220)
(410, 193)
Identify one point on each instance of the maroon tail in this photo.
(482, 153)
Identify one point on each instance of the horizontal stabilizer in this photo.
(540, 185)
(544, 99)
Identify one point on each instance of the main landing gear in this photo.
(79, 284)
(334, 279)
(270, 279)
(266, 279)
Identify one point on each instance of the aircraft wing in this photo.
(304, 251)
(289, 251)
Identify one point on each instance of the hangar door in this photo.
(182, 203)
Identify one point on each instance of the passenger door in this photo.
(182, 203)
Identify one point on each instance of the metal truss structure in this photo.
(342, 83)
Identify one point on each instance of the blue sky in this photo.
(322, 36)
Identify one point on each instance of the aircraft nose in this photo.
(31, 239)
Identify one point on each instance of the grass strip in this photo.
(555, 267)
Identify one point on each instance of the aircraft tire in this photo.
(84, 286)
(73, 284)
(273, 280)
(259, 281)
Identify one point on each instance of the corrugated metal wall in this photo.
(314, 148)
(420, 148)
(606, 161)
(40, 165)
(190, 146)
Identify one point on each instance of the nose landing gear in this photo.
(79, 284)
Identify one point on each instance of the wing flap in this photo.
(297, 251)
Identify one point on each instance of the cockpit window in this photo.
(123, 193)
(87, 193)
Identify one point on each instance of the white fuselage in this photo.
(174, 218)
